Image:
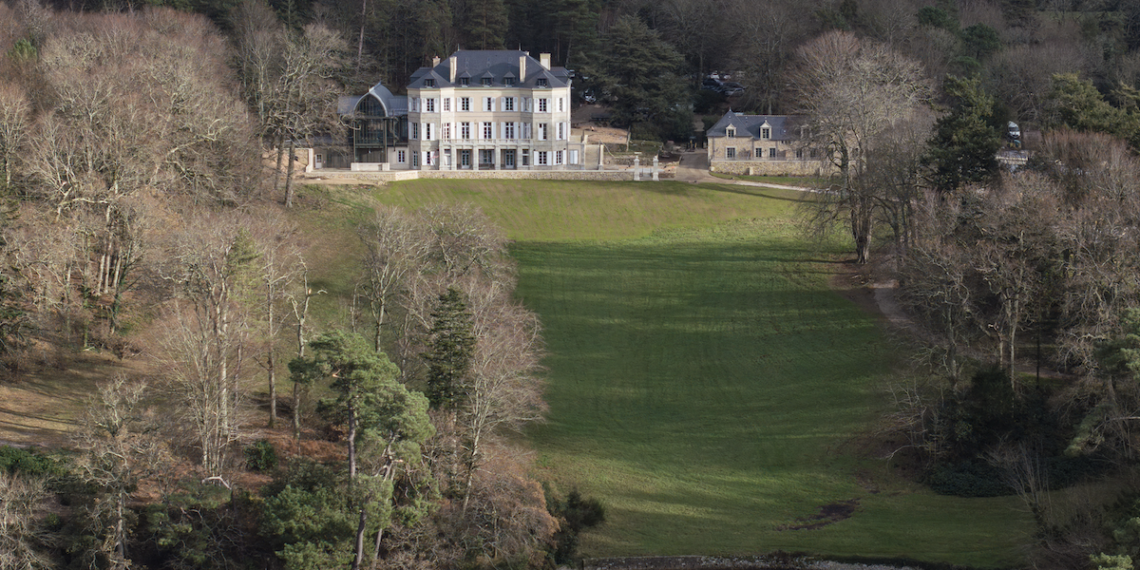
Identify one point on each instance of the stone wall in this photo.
(349, 177)
(770, 167)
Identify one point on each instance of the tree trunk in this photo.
(289, 175)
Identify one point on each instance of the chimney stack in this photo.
(522, 68)
(544, 59)
(451, 62)
(435, 61)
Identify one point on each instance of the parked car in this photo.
(1013, 132)
(732, 88)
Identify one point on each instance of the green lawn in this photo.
(705, 383)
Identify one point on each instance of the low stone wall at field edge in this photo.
(768, 167)
(349, 177)
(774, 561)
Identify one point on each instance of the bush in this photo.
(15, 460)
(968, 479)
(261, 456)
(574, 514)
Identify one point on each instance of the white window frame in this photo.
(540, 160)
(542, 132)
(465, 131)
(488, 130)
(489, 104)
(730, 152)
(561, 131)
(429, 105)
(447, 131)
(415, 131)
(542, 105)
(464, 103)
(557, 157)
(508, 103)
(509, 130)
(427, 131)
(401, 156)
(446, 104)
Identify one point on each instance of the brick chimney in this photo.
(544, 59)
(522, 68)
(451, 62)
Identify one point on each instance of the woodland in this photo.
(145, 152)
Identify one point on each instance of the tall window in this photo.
(488, 130)
(561, 131)
(557, 157)
(542, 157)
(488, 104)
(447, 103)
(430, 105)
(542, 106)
(427, 158)
(560, 105)
(765, 134)
(508, 103)
(401, 156)
(415, 130)
(464, 103)
(427, 132)
(447, 131)
(730, 152)
(542, 131)
(772, 152)
(465, 130)
(508, 130)
(730, 132)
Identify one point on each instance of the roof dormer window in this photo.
(464, 81)
(731, 131)
(508, 82)
(540, 82)
(765, 133)
(429, 83)
(486, 81)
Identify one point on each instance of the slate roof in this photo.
(394, 106)
(495, 64)
(784, 127)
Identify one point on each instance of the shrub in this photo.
(261, 456)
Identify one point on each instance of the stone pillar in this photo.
(496, 158)
(601, 156)
(475, 158)
(637, 169)
(655, 168)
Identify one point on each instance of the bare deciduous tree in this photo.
(213, 270)
(20, 501)
(119, 447)
(853, 91)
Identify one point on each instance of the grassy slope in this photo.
(703, 381)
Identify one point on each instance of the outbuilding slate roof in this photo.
(496, 64)
(784, 127)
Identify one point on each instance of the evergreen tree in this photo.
(964, 147)
(486, 24)
(449, 352)
(639, 70)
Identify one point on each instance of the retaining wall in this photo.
(769, 167)
(397, 176)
